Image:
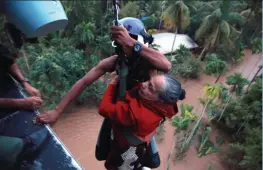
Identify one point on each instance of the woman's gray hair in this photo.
(172, 90)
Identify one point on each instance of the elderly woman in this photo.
(145, 107)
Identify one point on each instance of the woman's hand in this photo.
(115, 80)
(48, 117)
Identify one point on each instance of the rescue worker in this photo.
(143, 62)
(14, 150)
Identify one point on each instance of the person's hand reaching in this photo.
(48, 117)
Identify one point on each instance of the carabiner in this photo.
(113, 45)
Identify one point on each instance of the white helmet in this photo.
(135, 27)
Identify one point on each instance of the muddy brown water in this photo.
(78, 130)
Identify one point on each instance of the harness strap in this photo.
(132, 139)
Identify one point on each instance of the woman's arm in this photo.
(94, 74)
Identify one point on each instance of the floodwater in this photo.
(79, 129)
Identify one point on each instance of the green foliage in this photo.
(214, 65)
(186, 108)
(214, 91)
(153, 7)
(83, 11)
(151, 22)
(131, 9)
(231, 54)
(189, 69)
(253, 26)
(237, 82)
(256, 45)
(176, 15)
(186, 65)
(213, 111)
(103, 44)
(199, 10)
(246, 155)
(54, 69)
(182, 123)
(219, 140)
(243, 120)
(254, 93)
(206, 146)
(252, 149)
(181, 54)
(84, 32)
(221, 28)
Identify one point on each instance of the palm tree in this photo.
(130, 9)
(176, 16)
(215, 66)
(154, 10)
(237, 82)
(217, 28)
(163, 5)
(84, 32)
(153, 7)
(252, 15)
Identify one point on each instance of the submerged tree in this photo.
(176, 16)
(215, 66)
(237, 82)
(218, 28)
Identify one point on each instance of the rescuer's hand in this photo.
(31, 103)
(122, 37)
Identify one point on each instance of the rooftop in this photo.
(165, 41)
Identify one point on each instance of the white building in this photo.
(165, 42)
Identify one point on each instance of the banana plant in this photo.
(213, 92)
(205, 138)
(207, 146)
(180, 124)
(186, 111)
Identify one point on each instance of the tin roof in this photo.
(165, 42)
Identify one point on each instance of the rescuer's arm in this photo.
(158, 60)
(30, 103)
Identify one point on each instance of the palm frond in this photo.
(247, 13)
(177, 14)
(237, 6)
(214, 36)
(236, 18)
(225, 28)
(217, 13)
(234, 33)
(205, 28)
